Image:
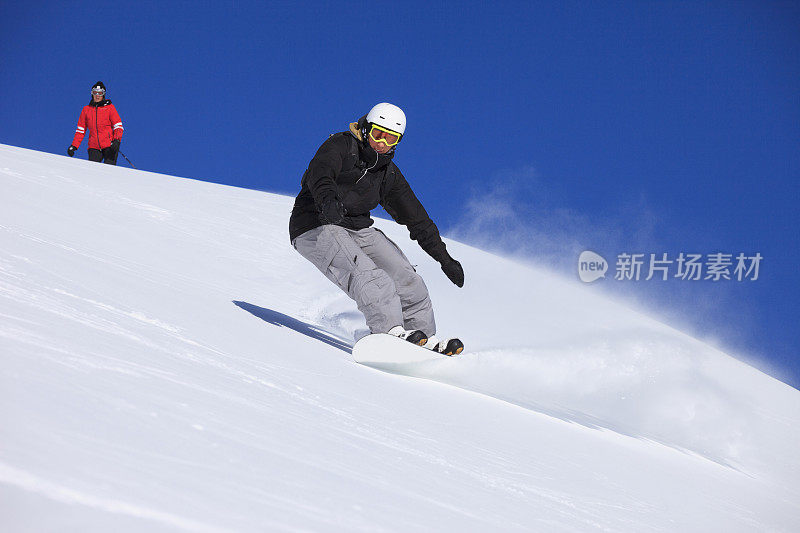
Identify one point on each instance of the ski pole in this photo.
(128, 160)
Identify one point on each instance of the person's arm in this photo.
(320, 178)
(403, 206)
(116, 122)
(80, 131)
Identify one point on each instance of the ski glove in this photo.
(71, 150)
(115, 145)
(332, 211)
(453, 271)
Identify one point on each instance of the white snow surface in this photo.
(169, 363)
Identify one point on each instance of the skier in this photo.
(351, 173)
(105, 128)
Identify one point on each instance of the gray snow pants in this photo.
(373, 271)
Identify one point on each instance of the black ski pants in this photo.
(106, 155)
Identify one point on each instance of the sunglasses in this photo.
(382, 135)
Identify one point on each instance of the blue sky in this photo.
(539, 129)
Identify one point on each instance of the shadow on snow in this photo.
(286, 321)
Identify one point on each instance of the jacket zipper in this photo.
(377, 157)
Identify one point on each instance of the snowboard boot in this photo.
(414, 336)
(452, 346)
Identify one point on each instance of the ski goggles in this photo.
(382, 135)
(98, 91)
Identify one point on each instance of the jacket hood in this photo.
(357, 127)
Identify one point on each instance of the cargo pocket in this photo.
(340, 276)
(325, 248)
(335, 260)
(374, 291)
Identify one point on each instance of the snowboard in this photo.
(384, 350)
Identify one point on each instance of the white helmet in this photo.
(388, 116)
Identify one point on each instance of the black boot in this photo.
(414, 336)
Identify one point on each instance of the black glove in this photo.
(453, 271)
(115, 145)
(332, 211)
(71, 150)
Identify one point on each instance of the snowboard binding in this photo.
(414, 336)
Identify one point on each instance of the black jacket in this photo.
(349, 169)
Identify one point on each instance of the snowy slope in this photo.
(168, 362)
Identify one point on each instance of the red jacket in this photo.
(103, 123)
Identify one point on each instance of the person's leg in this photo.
(414, 297)
(333, 251)
(95, 155)
(109, 156)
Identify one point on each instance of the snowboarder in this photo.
(105, 128)
(351, 173)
